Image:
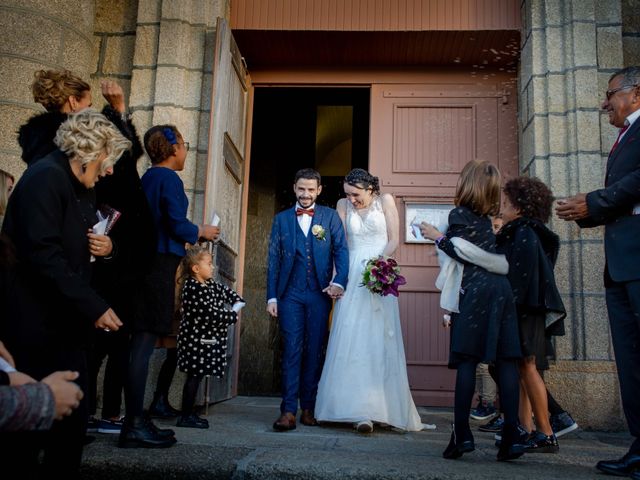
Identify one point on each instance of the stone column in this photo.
(631, 32)
(171, 78)
(569, 50)
(37, 35)
(171, 83)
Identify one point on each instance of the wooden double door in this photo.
(421, 137)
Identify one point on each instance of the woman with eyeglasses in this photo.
(164, 189)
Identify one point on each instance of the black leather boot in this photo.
(163, 432)
(511, 446)
(457, 446)
(139, 432)
(160, 407)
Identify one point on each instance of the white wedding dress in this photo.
(365, 374)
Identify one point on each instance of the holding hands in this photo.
(334, 291)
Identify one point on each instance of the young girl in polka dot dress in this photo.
(207, 309)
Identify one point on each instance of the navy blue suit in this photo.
(299, 269)
(612, 207)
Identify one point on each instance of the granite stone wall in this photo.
(37, 35)
(569, 50)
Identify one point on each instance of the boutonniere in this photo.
(318, 232)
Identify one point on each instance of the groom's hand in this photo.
(272, 309)
(334, 291)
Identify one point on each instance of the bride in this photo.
(364, 379)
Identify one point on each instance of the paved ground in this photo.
(241, 444)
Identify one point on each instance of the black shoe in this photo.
(522, 436)
(494, 426)
(192, 421)
(562, 423)
(540, 443)
(621, 467)
(483, 412)
(511, 446)
(456, 449)
(161, 408)
(140, 432)
(162, 432)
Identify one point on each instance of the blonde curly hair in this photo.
(86, 134)
(52, 88)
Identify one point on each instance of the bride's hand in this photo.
(334, 291)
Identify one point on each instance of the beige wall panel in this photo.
(77, 53)
(116, 15)
(608, 45)
(143, 88)
(118, 55)
(612, 12)
(149, 11)
(75, 14)
(17, 76)
(631, 50)
(430, 150)
(373, 15)
(146, 48)
(45, 33)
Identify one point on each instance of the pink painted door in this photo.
(421, 137)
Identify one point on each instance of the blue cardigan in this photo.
(169, 204)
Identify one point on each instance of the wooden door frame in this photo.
(310, 78)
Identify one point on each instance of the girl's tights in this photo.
(167, 371)
(508, 383)
(189, 392)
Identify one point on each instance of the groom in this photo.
(307, 244)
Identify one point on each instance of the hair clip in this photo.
(169, 135)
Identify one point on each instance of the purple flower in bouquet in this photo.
(381, 275)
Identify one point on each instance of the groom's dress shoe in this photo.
(622, 467)
(307, 418)
(286, 421)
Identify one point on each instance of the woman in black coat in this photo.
(118, 277)
(47, 324)
(484, 327)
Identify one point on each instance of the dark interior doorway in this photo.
(322, 128)
(293, 128)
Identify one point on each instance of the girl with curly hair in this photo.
(532, 250)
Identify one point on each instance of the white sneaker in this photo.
(366, 426)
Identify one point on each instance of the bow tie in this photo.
(302, 211)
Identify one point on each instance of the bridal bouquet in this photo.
(382, 276)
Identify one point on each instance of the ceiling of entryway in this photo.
(269, 48)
